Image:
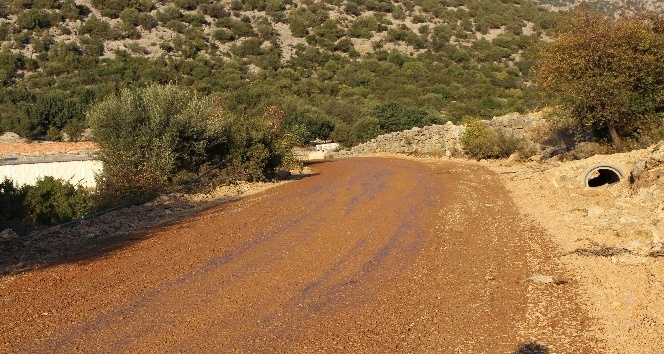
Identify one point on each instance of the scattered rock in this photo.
(536, 158)
(629, 259)
(647, 172)
(657, 250)
(9, 240)
(585, 150)
(638, 247)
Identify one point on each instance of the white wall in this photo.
(82, 172)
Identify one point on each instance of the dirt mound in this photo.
(10, 137)
(612, 236)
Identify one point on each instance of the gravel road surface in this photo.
(367, 255)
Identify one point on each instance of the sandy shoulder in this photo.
(605, 237)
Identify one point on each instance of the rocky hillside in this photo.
(346, 70)
(187, 28)
(607, 6)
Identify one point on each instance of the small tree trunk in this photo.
(615, 138)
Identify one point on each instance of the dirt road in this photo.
(367, 255)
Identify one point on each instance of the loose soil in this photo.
(610, 237)
(7, 149)
(364, 255)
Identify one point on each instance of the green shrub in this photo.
(481, 141)
(365, 129)
(113, 8)
(95, 27)
(149, 135)
(187, 4)
(33, 19)
(12, 199)
(238, 28)
(54, 201)
(394, 116)
(316, 125)
(156, 137)
(214, 10)
(258, 149)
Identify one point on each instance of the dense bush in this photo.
(33, 19)
(316, 125)
(113, 8)
(50, 201)
(54, 201)
(481, 141)
(394, 116)
(12, 207)
(148, 136)
(157, 137)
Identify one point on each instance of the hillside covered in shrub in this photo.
(347, 70)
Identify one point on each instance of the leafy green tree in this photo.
(608, 73)
(394, 116)
(14, 119)
(113, 8)
(365, 129)
(149, 135)
(10, 63)
(316, 125)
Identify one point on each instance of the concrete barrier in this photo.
(82, 172)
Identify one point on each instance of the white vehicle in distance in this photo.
(327, 147)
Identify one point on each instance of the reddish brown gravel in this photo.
(368, 255)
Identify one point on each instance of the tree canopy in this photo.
(607, 73)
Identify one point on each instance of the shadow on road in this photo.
(317, 162)
(108, 232)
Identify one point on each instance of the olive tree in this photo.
(148, 136)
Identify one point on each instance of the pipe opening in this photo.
(602, 176)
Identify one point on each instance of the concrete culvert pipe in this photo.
(601, 175)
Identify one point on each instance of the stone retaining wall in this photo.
(442, 140)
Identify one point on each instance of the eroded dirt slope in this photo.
(369, 255)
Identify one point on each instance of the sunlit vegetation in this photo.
(328, 65)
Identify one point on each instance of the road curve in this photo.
(367, 255)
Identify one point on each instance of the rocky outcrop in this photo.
(650, 171)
